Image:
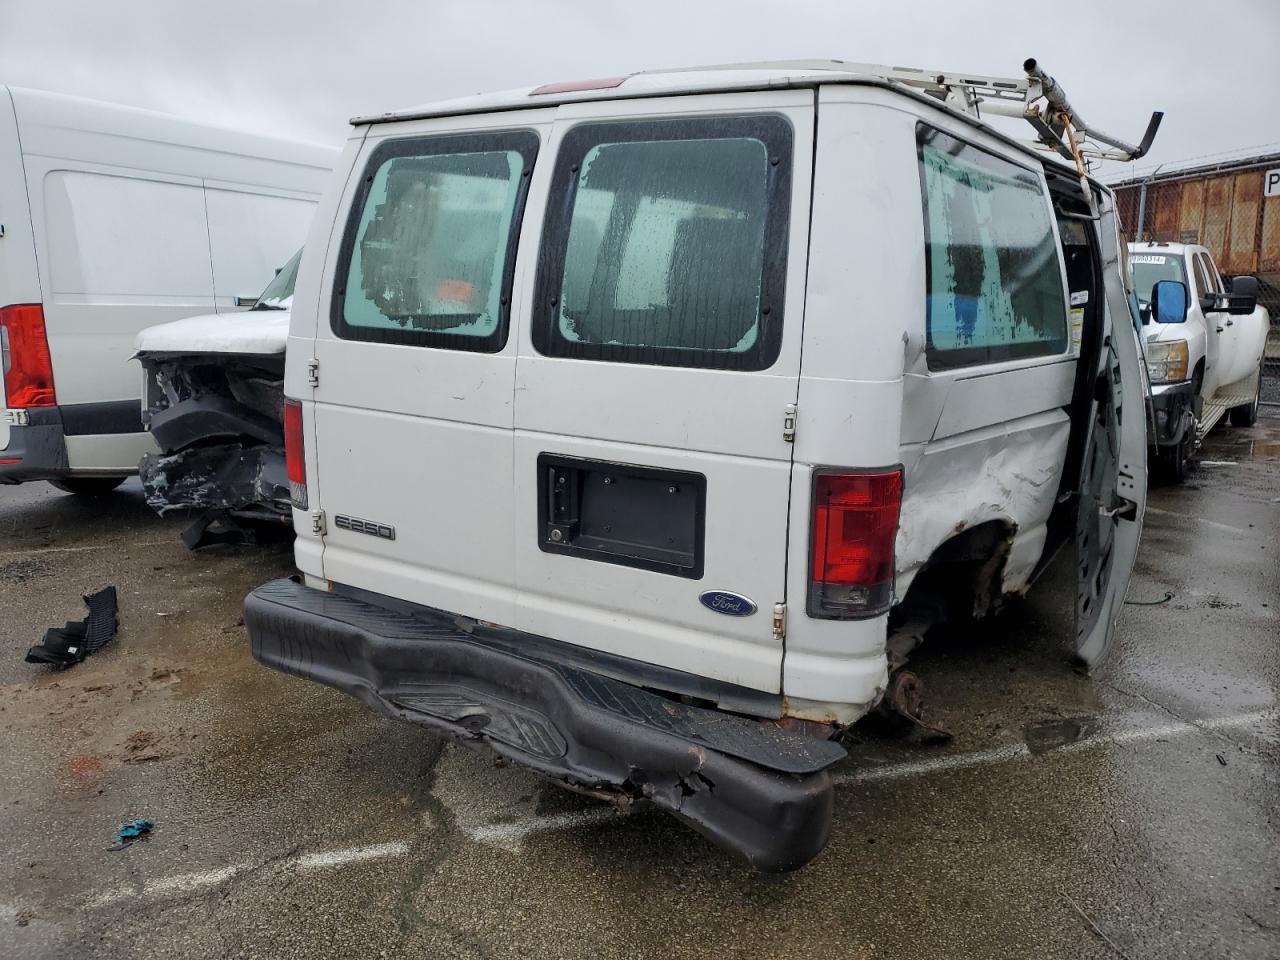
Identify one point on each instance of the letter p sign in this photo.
(1271, 183)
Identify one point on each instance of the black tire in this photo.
(1246, 415)
(87, 486)
(1171, 463)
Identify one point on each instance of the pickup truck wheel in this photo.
(1171, 462)
(87, 486)
(1246, 415)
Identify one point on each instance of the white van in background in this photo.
(114, 219)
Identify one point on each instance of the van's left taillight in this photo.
(28, 368)
(295, 458)
(853, 528)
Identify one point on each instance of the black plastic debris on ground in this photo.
(216, 529)
(65, 646)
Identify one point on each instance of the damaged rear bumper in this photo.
(37, 450)
(751, 787)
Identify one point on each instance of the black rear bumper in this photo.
(758, 790)
(36, 450)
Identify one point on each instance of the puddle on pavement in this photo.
(1264, 450)
(1044, 735)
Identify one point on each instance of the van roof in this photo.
(925, 85)
(59, 113)
(673, 81)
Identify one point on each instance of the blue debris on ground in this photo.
(130, 831)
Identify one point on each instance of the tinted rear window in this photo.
(665, 243)
(430, 244)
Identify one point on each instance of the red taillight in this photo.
(28, 368)
(855, 522)
(295, 460)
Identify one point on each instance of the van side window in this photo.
(430, 243)
(993, 281)
(665, 243)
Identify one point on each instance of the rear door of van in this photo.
(659, 352)
(415, 351)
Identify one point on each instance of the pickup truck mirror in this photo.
(1169, 301)
(1243, 296)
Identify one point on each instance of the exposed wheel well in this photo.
(964, 576)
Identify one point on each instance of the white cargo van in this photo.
(112, 220)
(635, 421)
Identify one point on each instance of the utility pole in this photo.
(1142, 204)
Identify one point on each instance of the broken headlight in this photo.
(1167, 361)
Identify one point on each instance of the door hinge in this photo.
(779, 621)
(317, 523)
(789, 423)
(313, 372)
(17, 418)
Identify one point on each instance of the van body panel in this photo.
(315, 278)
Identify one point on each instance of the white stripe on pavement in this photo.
(191, 882)
(508, 834)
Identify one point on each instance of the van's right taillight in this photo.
(28, 368)
(295, 459)
(854, 525)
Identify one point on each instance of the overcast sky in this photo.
(302, 69)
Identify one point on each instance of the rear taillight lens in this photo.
(855, 522)
(28, 368)
(295, 458)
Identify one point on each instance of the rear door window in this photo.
(994, 280)
(665, 243)
(430, 245)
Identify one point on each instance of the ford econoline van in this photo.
(113, 219)
(636, 425)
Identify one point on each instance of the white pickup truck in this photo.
(1204, 355)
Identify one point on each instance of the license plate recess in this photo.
(623, 513)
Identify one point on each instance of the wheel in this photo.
(1171, 462)
(1246, 415)
(87, 486)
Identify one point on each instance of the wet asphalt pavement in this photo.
(1135, 813)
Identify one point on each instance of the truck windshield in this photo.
(1148, 268)
(279, 291)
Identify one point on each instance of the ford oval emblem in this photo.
(730, 604)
